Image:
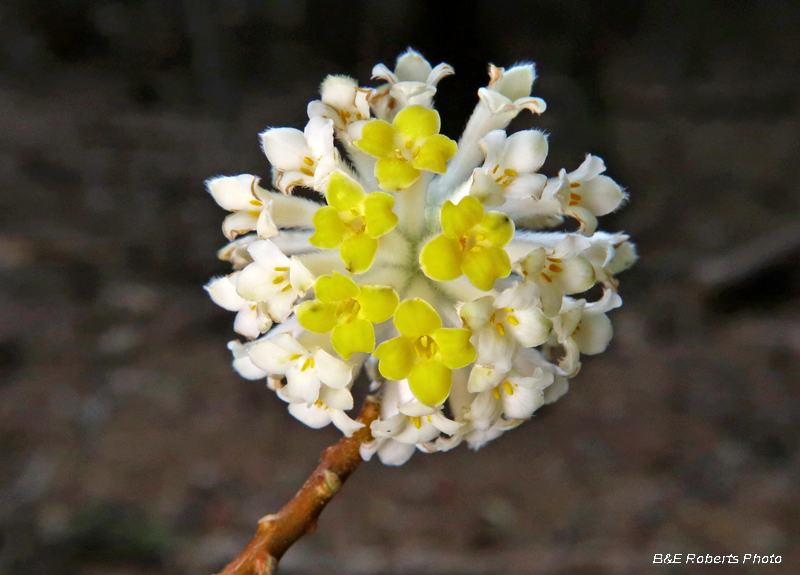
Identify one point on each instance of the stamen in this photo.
(574, 196)
(255, 203)
(254, 213)
(417, 421)
(509, 389)
(306, 171)
(555, 268)
(547, 277)
(415, 153)
(295, 357)
(308, 161)
(279, 280)
(282, 269)
(408, 144)
(574, 185)
(495, 168)
(512, 320)
(510, 173)
(286, 288)
(500, 329)
(507, 309)
(497, 392)
(554, 260)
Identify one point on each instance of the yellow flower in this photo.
(348, 311)
(425, 352)
(353, 221)
(411, 143)
(471, 243)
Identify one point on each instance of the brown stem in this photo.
(277, 532)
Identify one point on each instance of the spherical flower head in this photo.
(410, 144)
(414, 263)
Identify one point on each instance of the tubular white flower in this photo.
(413, 82)
(509, 168)
(304, 158)
(584, 194)
(403, 268)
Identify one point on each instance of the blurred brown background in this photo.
(130, 447)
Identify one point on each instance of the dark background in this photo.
(129, 446)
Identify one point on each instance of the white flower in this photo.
(584, 328)
(584, 194)
(500, 324)
(343, 102)
(236, 252)
(510, 166)
(405, 426)
(610, 254)
(513, 396)
(558, 271)
(249, 203)
(329, 408)
(509, 91)
(413, 82)
(252, 318)
(242, 363)
(273, 279)
(304, 158)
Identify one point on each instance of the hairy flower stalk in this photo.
(419, 262)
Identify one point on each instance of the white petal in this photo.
(395, 453)
(600, 195)
(389, 427)
(233, 193)
(300, 383)
(526, 186)
(223, 293)
(557, 390)
(594, 333)
(493, 145)
(285, 148)
(534, 327)
(514, 83)
(336, 398)
(610, 300)
(521, 295)
(483, 378)
(239, 223)
(551, 296)
(591, 167)
(525, 151)
(242, 363)
(495, 349)
(267, 254)
(265, 226)
(476, 313)
(411, 66)
(254, 283)
(483, 187)
(319, 135)
(523, 402)
(344, 423)
(339, 92)
(439, 71)
(485, 410)
(272, 358)
(247, 324)
(414, 408)
(313, 416)
(382, 72)
(333, 372)
(445, 425)
(299, 276)
(412, 434)
(577, 275)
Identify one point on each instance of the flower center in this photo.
(425, 347)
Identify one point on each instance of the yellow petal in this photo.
(377, 303)
(498, 228)
(440, 259)
(486, 265)
(378, 215)
(316, 316)
(435, 153)
(328, 228)
(394, 174)
(377, 139)
(396, 358)
(334, 288)
(351, 337)
(415, 317)
(358, 253)
(458, 219)
(430, 381)
(454, 347)
(344, 193)
(417, 122)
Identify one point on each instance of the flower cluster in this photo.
(413, 264)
